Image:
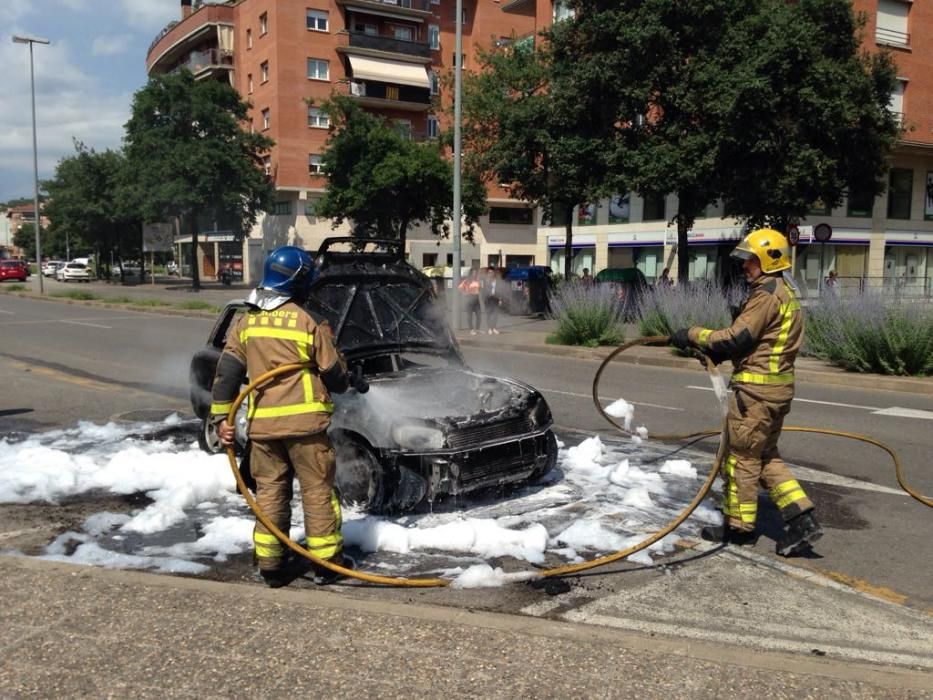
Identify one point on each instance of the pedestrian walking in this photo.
(762, 343)
(491, 300)
(470, 288)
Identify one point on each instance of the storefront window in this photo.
(928, 198)
(231, 259)
(860, 206)
(654, 209)
(586, 214)
(900, 184)
(620, 208)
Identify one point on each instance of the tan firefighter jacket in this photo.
(764, 338)
(292, 404)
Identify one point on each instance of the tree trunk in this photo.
(568, 243)
(195, 272)
(683, 254)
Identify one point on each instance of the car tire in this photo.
(208, 439)
(360, 479)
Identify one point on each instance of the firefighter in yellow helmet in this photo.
(762, 343)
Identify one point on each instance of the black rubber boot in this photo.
(275, 578)
(727, 535)
(798, 533)
(323, 576)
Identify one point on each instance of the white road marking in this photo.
(74, 320)
(899, 412)
(820, 477)
(7, 312)
(84, 323)
(590, 396)
(822, 403)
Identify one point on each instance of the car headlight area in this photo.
(418, 437)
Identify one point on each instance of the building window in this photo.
(510, 215)
(434, 36)
(434, 127)
(263, 23)
(264, 72)
(366, 28)
(819, 208)
(318, 69)
(435, 2)
(267, 165)
(620, 208)
(249, 38)
(318, 118)
(896, 103)
(314, 164)
(402, 33)
(403, 126)
(428, 259)
(586, 214)
(435, 82)
(860, 206)
(266, 119)
(900, 186)
(282, 208)
(463, 16)
(310, 210)
(562, 10)
(453, 59)
(653, 209)
(891, 28)
(317, 20)
(249, 83)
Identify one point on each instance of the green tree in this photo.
(188, 154)
(528, 127)
(25, 238)
(385, 183)
(809, 115)
(86, 204)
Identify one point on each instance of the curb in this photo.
(167, 309)
(907, 385)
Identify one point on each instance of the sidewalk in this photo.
(518, 333)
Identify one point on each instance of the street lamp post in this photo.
(35, 153)
(458, 82)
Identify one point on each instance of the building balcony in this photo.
(203, 63)
(179, 39)
(387, 44)
(406, 9)
(379, 95)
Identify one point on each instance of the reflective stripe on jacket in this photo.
(764, 338)
(292, 404)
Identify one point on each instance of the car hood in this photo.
(375, 309)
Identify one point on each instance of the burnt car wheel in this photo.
(208, 439)
(360, 478)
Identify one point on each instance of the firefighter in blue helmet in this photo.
(289, 416)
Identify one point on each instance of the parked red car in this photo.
(13, 270)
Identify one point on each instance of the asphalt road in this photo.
(60, 363)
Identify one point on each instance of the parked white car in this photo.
(73, 272)
(50, 267)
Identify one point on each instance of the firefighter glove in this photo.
(680, 339)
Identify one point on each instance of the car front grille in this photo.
(480, 434)
(501, 463)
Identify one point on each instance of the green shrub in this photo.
(664, 310)
(197, 306)
(13, 288)
(150, 302)
(81, 296)
(868, 334)
(116, 300)
(586, 314)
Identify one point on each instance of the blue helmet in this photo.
(287, 270)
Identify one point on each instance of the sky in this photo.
(605, 495)
(85, 79)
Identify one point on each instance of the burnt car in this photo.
(429, 427)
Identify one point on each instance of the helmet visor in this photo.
(741, 254)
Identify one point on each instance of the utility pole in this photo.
(35, 154)
(458, 147)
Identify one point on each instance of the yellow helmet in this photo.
(769, 246)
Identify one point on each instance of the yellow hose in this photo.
(425, 582)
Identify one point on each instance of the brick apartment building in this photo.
(390, 55)
(287, 57)
(887, 243)
(11, 221)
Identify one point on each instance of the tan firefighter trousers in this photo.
(755, 424)
(274, 464)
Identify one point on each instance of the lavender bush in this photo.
(868, 334)
(663, 310)
(586, 314)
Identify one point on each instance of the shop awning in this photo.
(384, 71)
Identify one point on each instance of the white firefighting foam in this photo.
(602, 497)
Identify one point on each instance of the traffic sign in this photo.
(793, 235)
(822, 232)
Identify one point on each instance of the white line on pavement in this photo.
(823, 403)
(84, 323)
(821, 477)
(7, 312)
(899, 412)
(590, 396)
(72, 320)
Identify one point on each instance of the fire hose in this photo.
(433, 582)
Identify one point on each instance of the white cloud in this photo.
(13, 10)
(75, 5)
(110, 45)
(150, 15)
